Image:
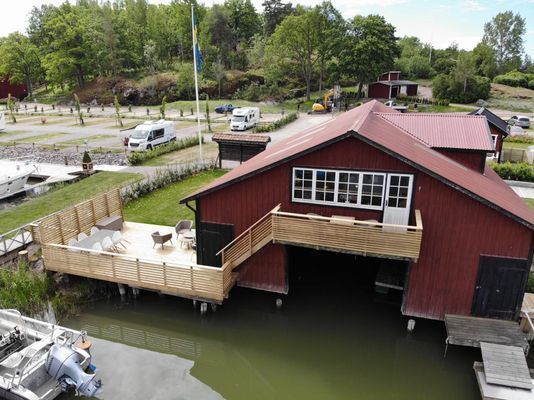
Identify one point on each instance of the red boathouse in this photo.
(16, 90)
(408, 192)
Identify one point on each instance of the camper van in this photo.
(244, 118)
(151, 134)
(2, 121)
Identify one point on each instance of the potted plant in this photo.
(87, 163)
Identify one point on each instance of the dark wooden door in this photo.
(213, 238)
(500, 287)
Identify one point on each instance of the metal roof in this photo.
(445, 131)
(493, 119)
(368, 124)
(240, 137)
(395, 83)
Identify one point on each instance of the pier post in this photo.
(213, 307)
(122, 290)
(411, 325)
(279, 303)
(203, 308)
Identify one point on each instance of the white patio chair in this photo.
(94, 230)
(107, 244)
(97, 246)
(72, 242)
(117, 239)
(81, 236)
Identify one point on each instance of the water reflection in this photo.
(321, 345)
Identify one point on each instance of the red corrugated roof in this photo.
(368, 122)
(446, 131)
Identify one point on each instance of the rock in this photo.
(38, 266)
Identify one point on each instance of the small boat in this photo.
(13, 176)
(39, 360)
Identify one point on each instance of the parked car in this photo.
(225, 108)
(514, 130)
(395, 106)
(520, 120)
(151, 134)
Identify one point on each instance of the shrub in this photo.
(139, 157)
(160, 179)
(277, 124)
(448, 87)
(520, 139)
(514, 78)
(515, 171)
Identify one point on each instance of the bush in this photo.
(422, 100)
(139, 157)
(515, 78)
(277, 124)
(520, 139)
(447, 87)
(515, 171)
(161, 178)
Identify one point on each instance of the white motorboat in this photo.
(2, 121)
(13, 176)
(39, 361)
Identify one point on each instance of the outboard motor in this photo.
(63, 364)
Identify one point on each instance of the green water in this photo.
(330, 340)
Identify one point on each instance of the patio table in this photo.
(96, 237)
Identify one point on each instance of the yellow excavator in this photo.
(323, 105)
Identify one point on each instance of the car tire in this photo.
(149, 147)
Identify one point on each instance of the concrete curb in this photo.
(520, 184)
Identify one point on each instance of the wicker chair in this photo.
(158, 238)
(183, 226)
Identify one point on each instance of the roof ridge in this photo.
(380, 115)
(430, 114)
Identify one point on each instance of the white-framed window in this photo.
(359, 189)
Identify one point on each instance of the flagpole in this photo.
(196, 81)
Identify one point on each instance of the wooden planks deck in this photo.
(471, 331)
(505, 365)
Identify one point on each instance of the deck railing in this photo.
(180, 279)
(16, 239)
(368, 238)
(249, 242)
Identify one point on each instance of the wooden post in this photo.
(107, 204)
(60, 228)
(138, 271)
(77, 219)
(192, 280)
(113, 266)
(94, 212)
(164, 274)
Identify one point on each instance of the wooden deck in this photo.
(471, 331)
(505, 365)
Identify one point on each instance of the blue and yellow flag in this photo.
(198, 54)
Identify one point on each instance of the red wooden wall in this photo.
(18, 91)
(474, 161)
(457, 229)
(411, 90)
(378, 91)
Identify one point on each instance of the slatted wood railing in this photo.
(248, 242)
(367, 238)
(184, 280)
(66, 224)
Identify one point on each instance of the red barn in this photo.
(389, 86)
(405, 194)
(16, 90)
(498, 128)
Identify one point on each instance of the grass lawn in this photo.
(63, 197)
(264, 106)
(530, 202)
(88, 138)
(188, 155)
(443, 109)
(161, 206)
(512, 145)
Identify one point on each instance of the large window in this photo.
(341, 188)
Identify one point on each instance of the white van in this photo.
(2, 121)
(151, 134)
(244, 118)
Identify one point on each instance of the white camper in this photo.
(151, 134)
(2, 121)
(244, 118)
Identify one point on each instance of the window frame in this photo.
(335, 202)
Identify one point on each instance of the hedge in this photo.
(520, 139)
(515, 171)
(277, 124)
(516, 79)
(139, 157)
(422, 100)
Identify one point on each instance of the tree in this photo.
(117, 111)
(484, 58)
(219, 73)
(216, 36)
(163, 107)
(504, 34)
(186, 80)
(11, 108)
(296, 41)
(370, 49)
(465, 68)
(274, 12)
(19, 59)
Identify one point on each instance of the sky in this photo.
(439, 22)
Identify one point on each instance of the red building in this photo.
(389, 86)
(406, 193)
(16, 90)
(498, 128)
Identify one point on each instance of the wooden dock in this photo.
(471, 331)
(527, 314)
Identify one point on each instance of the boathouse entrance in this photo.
(334, 271)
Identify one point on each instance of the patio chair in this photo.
(94, 230)
(107, 244)
(97, 246)
(81, 236)
(72, 242)
(158, 238)
(117, 239)
(183, 226)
